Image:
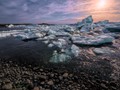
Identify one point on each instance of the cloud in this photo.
(58, 11)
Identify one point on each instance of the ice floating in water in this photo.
(4, 34)
(10, 26)
(29, 34)
(50, 45)
(46, 42)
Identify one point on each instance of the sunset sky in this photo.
(57, 11)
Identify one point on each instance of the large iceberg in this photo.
(86, 24)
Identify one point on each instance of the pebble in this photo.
(42, 77)
(65, 75)
(7, 86)
(104, 86)
(60, 77)
(52, 75)
(36, 88)
(50, 82)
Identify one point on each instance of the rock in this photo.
(50, 82)
(114, 88)
(42, 83)
(103, 86)
(71, 75)
(90, 51)
(7, 86)
(6, 81)
(60, 77)
(52, 75)
(36, 88)
(2, 75)
(42, 77)
(29, 84)
(112, 83)
(65, 75)
(41, 70)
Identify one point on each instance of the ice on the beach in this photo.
(59, 57)
(75, 50)
(93, 40)
(100, 51)
(65, 54)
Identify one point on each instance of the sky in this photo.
(58, 11)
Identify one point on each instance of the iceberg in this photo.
(64, 57)
(86, 24)
(50, 45)
(93, 40)
(55, 57)
(46, 42)
(59, 57)
(102, 23)
(27, 35)
(10, 26)
(75, 50)
(51, 37)
(100, 51)
(60, 43)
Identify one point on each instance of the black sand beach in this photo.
(25, 66)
